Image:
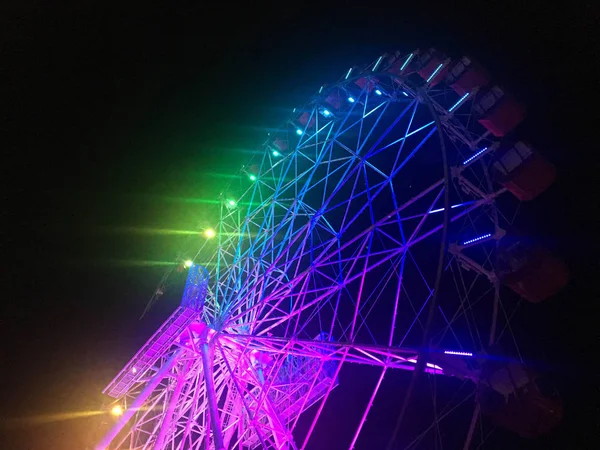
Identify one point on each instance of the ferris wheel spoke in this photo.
(274, 263)
(349, 173)
(379, 223)
(471, 324)
(393, 174)
(328, 292)
(367, 409)
(509, 327)
(373, 150)
(461, 311)
(417, 318)
(360, 145)
(365, 235)
(299, 305)
(376, 293)
(425, 216)
(416, 441)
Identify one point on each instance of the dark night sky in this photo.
(111, 117)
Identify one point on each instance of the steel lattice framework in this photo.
(328, 257)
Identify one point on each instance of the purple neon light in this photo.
(480, 152)
(430, 365)
(451, 207)
(457, 353)
(470, 241)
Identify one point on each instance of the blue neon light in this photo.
(451, 207)
(326, 113)
(435, 72)
(351, 99)
(459, 102)
(374, 109)
(470, 241)
(378, 92)
(408, 135)
(298, 131)
(467, 161)
(406, 62)
(377, 63)
(405, 94)
(321, 89)
(348, 74)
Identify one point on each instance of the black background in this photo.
(114, 116)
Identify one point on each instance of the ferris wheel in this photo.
(375, 229)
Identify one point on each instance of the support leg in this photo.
(166, 425)
(279, 430)
(138, 402)
(207, 351)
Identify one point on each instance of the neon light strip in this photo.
(434, 72)
(452, 352)
(373, 110)
(459, 102)
(452, 207)
(480, 152)
(470, 241)
(377, 64)
(406, 62)
(431, 366)
(348, 74)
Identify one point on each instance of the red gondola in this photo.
(498, 111)
(280, 144)
(306, 120)
(511, 397)
(367, 83)
(523, 171)
(428, 63)
(466, 75)
(529, 270)
(335, 99)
